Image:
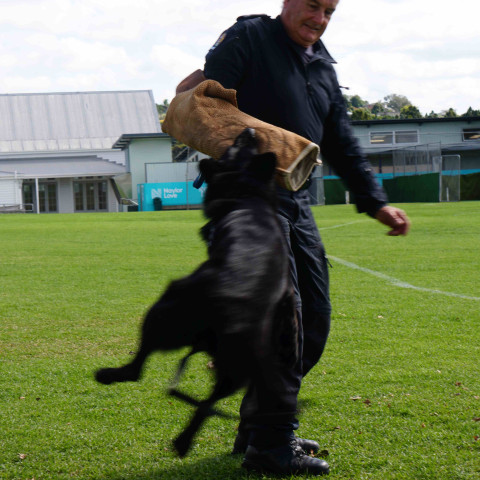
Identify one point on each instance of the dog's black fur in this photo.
(238, 305)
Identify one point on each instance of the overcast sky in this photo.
(427, 50)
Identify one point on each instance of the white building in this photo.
(57, 149)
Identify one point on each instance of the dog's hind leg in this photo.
(222, 389)
(183, 442)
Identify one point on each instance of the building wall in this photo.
(470, 160)
(445, 137)
(112, 199)
(66, 200)
(10, 191)
(428, 132)
(65, 195)
(145, 151)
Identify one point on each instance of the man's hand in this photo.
(395, 218)
(191, 81)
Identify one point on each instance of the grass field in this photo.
(396, 395)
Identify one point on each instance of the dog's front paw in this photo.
(105, 375)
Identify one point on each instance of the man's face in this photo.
(306, 20)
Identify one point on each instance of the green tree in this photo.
(162, 109)
(395, 102)
(348, 103)
(432, 114)
(354, 101)
(450, 113)
(471, 113)
(362, 114)
(378, 109)
(358, 102)
(410, 111)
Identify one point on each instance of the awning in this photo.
(84, 166)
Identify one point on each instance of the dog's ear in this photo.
(262, 166)
(208, 168)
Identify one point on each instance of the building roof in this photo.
(418, 121)
(47, 122)
(124, 141)
(74, 166)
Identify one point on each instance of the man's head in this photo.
(306, 20)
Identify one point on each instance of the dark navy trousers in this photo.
(269, 407)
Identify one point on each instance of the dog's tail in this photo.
(128, 373)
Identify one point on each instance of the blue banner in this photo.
(171, 194)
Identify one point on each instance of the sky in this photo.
(426, 50)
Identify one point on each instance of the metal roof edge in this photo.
(415, 120)
(74, 93)
(54, 154)
(124, 140)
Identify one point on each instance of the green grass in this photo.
(396, 395)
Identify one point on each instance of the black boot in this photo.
(287, 460)
(241, 443)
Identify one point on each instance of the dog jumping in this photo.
(238, 306)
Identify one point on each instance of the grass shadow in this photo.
(219, 467)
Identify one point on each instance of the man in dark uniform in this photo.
(283, 75)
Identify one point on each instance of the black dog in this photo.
(238, 305)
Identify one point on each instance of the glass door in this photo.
(90, 196)
(47, 196)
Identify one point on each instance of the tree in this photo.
(348, 103)
(471, 113)
(450, 113)
(362, 114)
(432, 114)
(162, 109)
(410, 111)
(358, 102)
(354, 101)
(378, 109)
(396, 102)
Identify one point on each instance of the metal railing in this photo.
(16, 207)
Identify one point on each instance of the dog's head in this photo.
(241, 173)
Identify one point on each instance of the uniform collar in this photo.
(320, 52)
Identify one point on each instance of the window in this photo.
(90, 196)
(47, 195)
(394, 138)
(407, 136)
(102, 195)
(378, 138)
(471, 134)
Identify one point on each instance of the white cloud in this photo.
(15, 84)
(427, 50)
(175, 61)
(8, 60)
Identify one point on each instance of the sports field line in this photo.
(342, 225)
(399, 283)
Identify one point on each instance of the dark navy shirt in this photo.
(278, 83)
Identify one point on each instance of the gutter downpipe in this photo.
(37, 197)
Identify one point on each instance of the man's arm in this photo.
(225, 63)
(228, 59)
(342, 151)
(190, 82)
